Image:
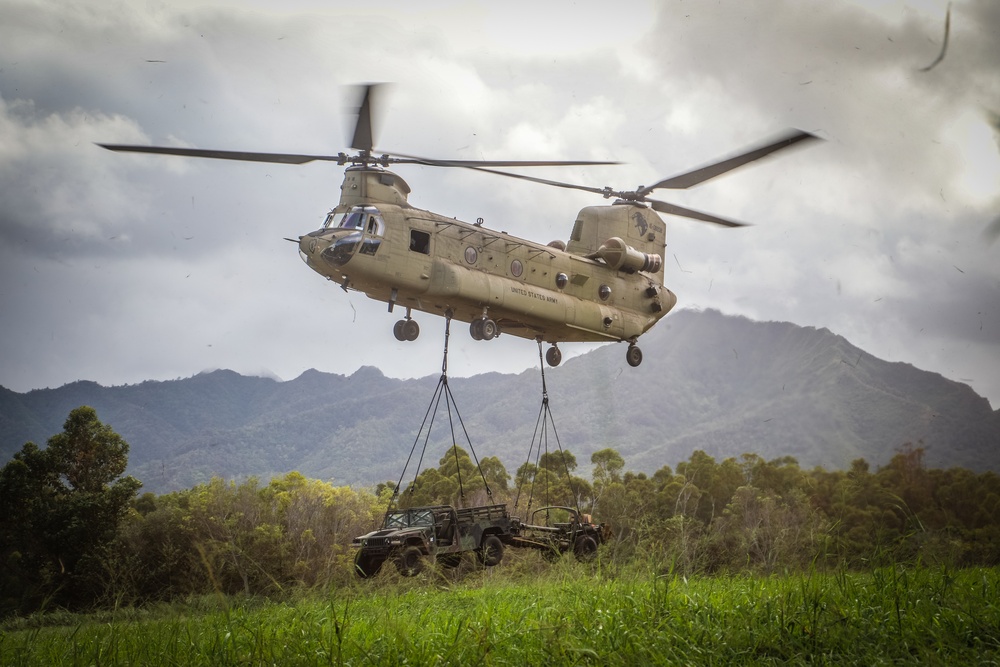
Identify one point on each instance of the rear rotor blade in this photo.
(673, 209)
(705, 173)
(281, 158)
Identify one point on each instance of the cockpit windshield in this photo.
(333, 220)
(365, 218)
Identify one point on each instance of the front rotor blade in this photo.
(703, 174)
(362, 140)
(474, 164)
(281, 158)
(673, 209)
(559, 184)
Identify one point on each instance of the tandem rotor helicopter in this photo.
(604, 284)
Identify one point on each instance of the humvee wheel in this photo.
(585, 548)
(491, 553)
(366, 566)
(410, 562)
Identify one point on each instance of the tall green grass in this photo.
(568, 615)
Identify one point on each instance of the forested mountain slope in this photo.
(723, 384)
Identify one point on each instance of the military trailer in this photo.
(556, 530)
(412, 537)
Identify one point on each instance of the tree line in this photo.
(76, 532)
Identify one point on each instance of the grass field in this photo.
(568, 615)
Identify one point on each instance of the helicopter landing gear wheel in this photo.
(484, 329)
(490, 329)
(411, 329)
(633, 355)
(405, 330)
(553, 356)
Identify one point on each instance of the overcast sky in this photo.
(121, 268)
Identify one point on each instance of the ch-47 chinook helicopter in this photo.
(604, 284)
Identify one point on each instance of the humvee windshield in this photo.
(409, 518)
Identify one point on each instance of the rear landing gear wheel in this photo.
(633, 355)
(490, 329)
(553, 356)
(484, 329)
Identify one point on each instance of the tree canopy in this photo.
(67, 501)
(74, 534)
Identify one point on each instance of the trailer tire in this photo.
(491, 553)
(585, 548)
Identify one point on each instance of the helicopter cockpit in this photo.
(368, 226)
(364, 218)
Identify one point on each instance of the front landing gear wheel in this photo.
(411, 329)
(405, 330)
(633, 355)
(553, 356)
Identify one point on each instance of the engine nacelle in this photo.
(622, 257)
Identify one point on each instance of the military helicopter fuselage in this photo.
(605, 284)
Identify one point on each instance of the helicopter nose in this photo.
(307, 244)
(338, 249)
(311, 245)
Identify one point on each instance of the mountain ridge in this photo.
(720, 383)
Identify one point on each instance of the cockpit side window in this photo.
(420, 241)
(374, 224)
